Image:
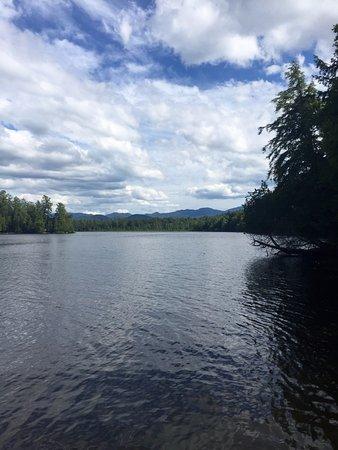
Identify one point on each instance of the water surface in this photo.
(164, 341)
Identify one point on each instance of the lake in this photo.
(164, 341)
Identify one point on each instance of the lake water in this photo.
(164, 341)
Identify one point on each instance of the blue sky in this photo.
(146, 106)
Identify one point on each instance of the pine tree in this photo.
(328, 123)
(328, 78)
(63, 222)
(37, 218)
(19, 216)
(295, 149)
(5, 211)
(297, 215)
(46, 209)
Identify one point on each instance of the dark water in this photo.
(164, 341)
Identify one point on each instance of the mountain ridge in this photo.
(181, 213)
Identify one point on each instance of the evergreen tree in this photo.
(46, 209)
(37, 220)
(5, 211)
(63, 222)
(19, 216)
(295, 150)
(328, 123)
(298, 214)
(328, 77)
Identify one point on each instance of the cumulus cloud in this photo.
(138, 142)
(202, 31)
(105, 138)
(205, 141)
(239, 32)
(7, 10)
(218, 191)
(308, 68)
(64, 125)
(273, 69)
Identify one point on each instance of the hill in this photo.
(181, 213)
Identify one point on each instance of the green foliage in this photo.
(19, 216)
(46, 207)
(5, 211)
(328, 118)
(63, 222)
(303, 157)
(295, 150)
(230, 222)
(257, 210)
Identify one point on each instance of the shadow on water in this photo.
(294, 303)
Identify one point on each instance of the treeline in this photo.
(21, 216)
(299, 213)
(230, 222)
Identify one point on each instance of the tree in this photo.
(328, 123)
(257, 210)
(295, 150)
(5, 211)
(295, 216)
(46, 209)
(37, 221)
(328, 119)
(19, 216)
(63, 222)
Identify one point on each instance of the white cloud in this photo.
(126, 22)
(273, 69)
(324, 49)
(309, 69)
(65, 127)
(131, 142)
(202, 31)
(122, 211)
(7, 10)
(138, 68)
(125, 30)
(144, 194)
(123, 143)
(203, 138)
(218, 191)
(240, 32)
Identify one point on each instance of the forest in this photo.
(228, 222)
(21, 216)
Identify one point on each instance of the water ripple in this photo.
(164, 341)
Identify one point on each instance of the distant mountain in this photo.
(84, 216)
(181, 213)
(235, 209)
(117, 215)
(191, 213)
(140, 217)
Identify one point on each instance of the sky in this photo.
(143, 106)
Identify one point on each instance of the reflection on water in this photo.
(164, 341)
(295, 304)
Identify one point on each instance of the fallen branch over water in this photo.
(294, 246)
